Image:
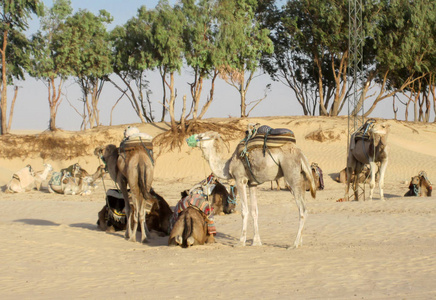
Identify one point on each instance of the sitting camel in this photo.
(77, 183)
(368, 145)
(222, 200)
(26, 179)
(133, 166)
(364, 176)
(190, 229)
(112, 218)
(420, 186)
(258, 164)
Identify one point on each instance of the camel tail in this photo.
(305, 167)
(188, 229)
(142, 180)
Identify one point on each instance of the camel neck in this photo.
(218, 165)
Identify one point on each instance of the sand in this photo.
(50, 246)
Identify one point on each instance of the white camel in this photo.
(26, 179)
(371, 150)
(287, 161)
(74, 184)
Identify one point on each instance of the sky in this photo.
(32, 110)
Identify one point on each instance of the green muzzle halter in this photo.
(192, 141)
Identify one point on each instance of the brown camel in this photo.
(111, 217)
(133, 167)
(257, 167)
(364, 176)
(368, 145)
(190, 229)
(420, 186)
(223, 201)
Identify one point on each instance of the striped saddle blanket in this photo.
(265, 136)
(199, 201)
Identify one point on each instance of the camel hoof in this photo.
(179, 240)
(256, 243)
(145, 241)
(190, 241)
(110, 229)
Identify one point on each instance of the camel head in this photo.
(380, 132)
(203, 140)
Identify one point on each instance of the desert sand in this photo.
(51, 248)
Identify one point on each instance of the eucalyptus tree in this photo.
(404, 47)
(166, 36)
(14, 48)
(311, 53)
(200, 52)
(132, 57)
(44, 63)
(85, 50)
(242, 41)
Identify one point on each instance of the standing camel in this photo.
(286, 161)
(133, 167)
(369, 148)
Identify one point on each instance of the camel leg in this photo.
(373, 170)
(299, 200)
(381, 182)
(255, 214)
(357, 170)
(241, 186)
(122, 182)
(351, 165)
(144, 228)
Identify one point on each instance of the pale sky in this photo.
(32, 110)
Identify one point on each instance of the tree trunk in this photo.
(4, 102)
(171, 104)
(11, 111)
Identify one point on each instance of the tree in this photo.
(44, 63)
(243, 42)
(132, 57)
(14, 47)
(201, 52)
(404, 45)
(85, 50)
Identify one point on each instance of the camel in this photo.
(190, 229)
(78, 183)
(222, 201)
(420, 186)
(317, 176)
(286, 161)
(369, 148)
(133, 167)
(364, 176)
(26, 179)
(111, 217)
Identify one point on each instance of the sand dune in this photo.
(51, 248)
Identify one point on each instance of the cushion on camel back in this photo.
(137, 140)
(267, 136)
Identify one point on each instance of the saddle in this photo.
(265, 137)
(363, 133)
(139, 140)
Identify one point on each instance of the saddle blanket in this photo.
(201, 203)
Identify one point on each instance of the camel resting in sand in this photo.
(112, 217)
(364, 176)
(368, 145)
(77, 183)
(420, 186)
(26, 179)
(190, 229)
(223, 201)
